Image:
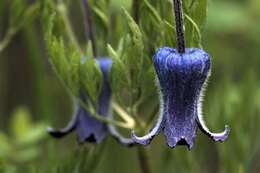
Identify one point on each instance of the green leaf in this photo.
(74, 70)
(153, 12)
(21, 122)
(196, 29)
(17, 9)
(199, 12)
(119, 78)
(134, 51)
(170, 31)
(89, 50)
(197, 15)
(58, 58)
(91, 78)
(5, 146)
(27, 154)
(30, 14)
(102, 16)
(35, 134)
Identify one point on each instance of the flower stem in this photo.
(89, 26)
(143, 160)
(179, 25)
(123, 114)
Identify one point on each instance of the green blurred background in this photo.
(31, 98)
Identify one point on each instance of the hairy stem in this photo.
(179, 25)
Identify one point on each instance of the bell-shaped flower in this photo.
(181, 79)
(88, 128)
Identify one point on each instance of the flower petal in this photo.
(202, 125)
(89, 129)
(145, 140)
(122, 140)
(59, 133)
(215, 136)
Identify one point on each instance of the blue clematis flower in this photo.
(87, 127)
(181, 78)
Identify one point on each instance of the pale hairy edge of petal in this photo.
(202, 125)
(115, 134)
(58, 133)
(146, 139)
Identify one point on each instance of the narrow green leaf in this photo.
(199, 12)
(102, 16)
(30, 14)
(59, 60)
(74, 71)
(17, 9)
(196, 28)
(153, 11)
(89, 50)
(118, 75)
(91, 78)
(134, 51)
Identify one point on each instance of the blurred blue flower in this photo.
(181, 78)
(88, 128)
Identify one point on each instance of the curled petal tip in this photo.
(218, 137)
(145, 140)
(129, 142)
(56, 133)
(172, 143)
(221, 136)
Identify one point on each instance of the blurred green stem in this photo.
(61, 8)
(94, 157)
(36, 60)
(135, 8)
(192, 3)
(7, 38)
(143, 160)
(89, 26)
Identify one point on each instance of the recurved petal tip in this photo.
(221, 136)
(129, 142)
(218, 137)
(145, 140)
(58, 133)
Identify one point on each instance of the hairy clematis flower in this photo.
(181, 80)
(86, 126)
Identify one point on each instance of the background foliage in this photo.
(32, 97)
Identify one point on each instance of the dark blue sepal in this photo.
(181, 80)
(88, 128)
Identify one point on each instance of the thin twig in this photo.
(179, 25)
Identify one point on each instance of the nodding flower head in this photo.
(86, 126)
(181, 80)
